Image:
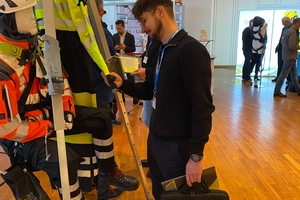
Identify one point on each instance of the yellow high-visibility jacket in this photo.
(72, 15)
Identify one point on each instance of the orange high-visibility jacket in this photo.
(13, 80)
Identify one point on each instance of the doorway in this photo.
(273, 19)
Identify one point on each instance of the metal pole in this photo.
(56, 89)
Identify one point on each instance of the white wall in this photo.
(220, 19)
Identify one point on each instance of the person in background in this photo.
(247, 51)
(290, 47)
(148, 63)
(180, 86)
(123, 40)
(104, 94)
(124, 43)
(259, 44)
(286, 22)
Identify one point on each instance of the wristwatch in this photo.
(196, 157)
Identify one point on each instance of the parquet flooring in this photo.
(254, 143)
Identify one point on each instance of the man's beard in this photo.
(156, 36)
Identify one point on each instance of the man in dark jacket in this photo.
(247, 51)
(182, 102)
(124, 41)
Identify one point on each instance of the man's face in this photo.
(298, 25)
(286, 22)
(120, 28)
(151, 25)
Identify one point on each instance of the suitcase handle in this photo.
(195, 188)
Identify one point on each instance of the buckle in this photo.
(26, 56)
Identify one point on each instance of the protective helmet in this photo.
(292, 14)
(10, 6)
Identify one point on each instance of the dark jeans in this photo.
(165, 161)
(246, 66)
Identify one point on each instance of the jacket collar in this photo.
(176, 39)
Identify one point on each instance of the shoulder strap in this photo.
(24, 96)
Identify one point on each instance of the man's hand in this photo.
(69, 119)
(139, 73)
(120, 46)
(117, 80)
(193, 171)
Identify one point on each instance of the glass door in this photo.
(273, 18)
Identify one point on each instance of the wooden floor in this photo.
(254, 143)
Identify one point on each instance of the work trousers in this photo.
(98, 122)
(34, 152)
(166, 160)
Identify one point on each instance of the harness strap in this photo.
(17, 52)
(21, 103)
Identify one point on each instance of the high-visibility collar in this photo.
(18, 52)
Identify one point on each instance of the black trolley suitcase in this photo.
(198, 191)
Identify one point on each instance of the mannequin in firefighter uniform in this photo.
(25, 120)
(92, 130)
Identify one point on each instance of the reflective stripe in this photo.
(82, 138)
(102, 143)
(86, 173)
(32, 99)
(66, 83)
(85, 99)
(72, 189)
(104, 155)
(87, 160)
(79, 197)
(9, 127)
(68, 93)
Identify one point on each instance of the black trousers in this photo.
(166, 160)
(34, 152)
(98, 122)
(246, 66)
(257, 62)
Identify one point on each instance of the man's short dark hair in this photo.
(119, 21)
(296, 20)
(141, 6)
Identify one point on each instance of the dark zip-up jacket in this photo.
(183, 99)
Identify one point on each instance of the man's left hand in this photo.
(193, 171)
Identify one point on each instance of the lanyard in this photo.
(159, 61)
(147, 50)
